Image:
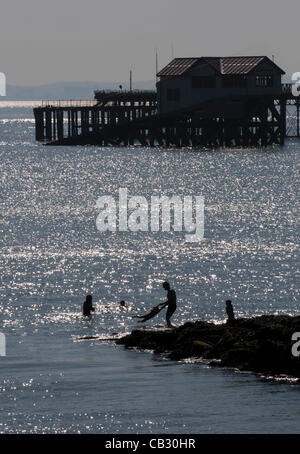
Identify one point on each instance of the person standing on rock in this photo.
(171, 303)
(229, 312)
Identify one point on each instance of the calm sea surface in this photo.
(52, 255)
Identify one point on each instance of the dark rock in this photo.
(259, 344)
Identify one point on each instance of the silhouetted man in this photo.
(171, 303)
(88, 305)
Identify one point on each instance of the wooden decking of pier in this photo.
(125, 118)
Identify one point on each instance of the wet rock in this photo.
(259, 344)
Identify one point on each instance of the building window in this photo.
(264, 81)
(173, 94)
(203, 82)
(234, 81)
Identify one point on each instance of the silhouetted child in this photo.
(154, 311)
(229, 312)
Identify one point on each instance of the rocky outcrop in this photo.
(260, 344)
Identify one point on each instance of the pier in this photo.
(88, 122)
(131, 118)
(242, 103)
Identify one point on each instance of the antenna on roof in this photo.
(130, 80)
(273, 58)
(156, 64)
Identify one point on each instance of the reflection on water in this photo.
(52, 255)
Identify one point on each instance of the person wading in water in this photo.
(171, 303)
(88, 305)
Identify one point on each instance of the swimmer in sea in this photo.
(88, 306)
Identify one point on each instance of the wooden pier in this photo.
(123, 118)
(292, 111)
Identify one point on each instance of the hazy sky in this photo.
(79, 40)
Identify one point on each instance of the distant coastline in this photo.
(66, 90)
(73, 90)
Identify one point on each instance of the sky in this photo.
(51, 41)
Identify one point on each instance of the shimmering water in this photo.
(52, 255)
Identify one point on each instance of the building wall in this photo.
(190, 96)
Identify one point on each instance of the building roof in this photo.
(178, 66)
(223, 65)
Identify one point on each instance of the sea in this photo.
(52, 255)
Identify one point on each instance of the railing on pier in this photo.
(70, 103)
(139, 97)
(124, 92)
